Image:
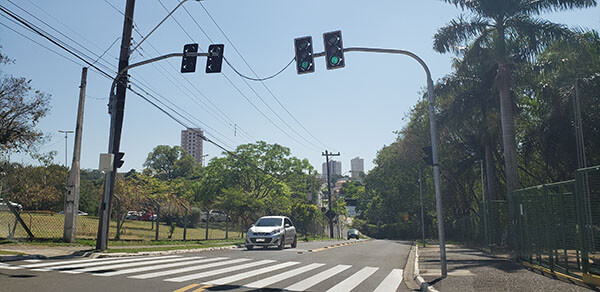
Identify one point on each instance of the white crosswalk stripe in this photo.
(391, 282)
(159, 267)
(188, 269)
(219, 271)
(96, 263)
(351, 282)
(280, 277)
(249, 274)
(148, 262)
(179, 268)
(51, 263)
(318, 278)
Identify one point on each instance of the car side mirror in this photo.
(287, 225)
(252, 225)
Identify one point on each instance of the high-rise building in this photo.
(335, 167)
(191, 141)
(357, 165)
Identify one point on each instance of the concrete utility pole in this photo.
(72, 196)
(116, 110)
(329, 213)
(66, 132)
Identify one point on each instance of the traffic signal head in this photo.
(334, 50)
(214, 61)
(305, 62)
(188, 63)
(428, 155)
(119, 159)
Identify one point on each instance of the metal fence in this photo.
(557, 226)
(173, 224)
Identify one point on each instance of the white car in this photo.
(272, 231)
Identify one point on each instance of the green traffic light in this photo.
(334, 60)
(304, 65)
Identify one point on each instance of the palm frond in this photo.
(535, 34)
(536, 7)
(457, 33)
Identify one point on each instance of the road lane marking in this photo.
(249, 274)
(391, 282)
(9, 267)
(119, 261)
(280, 277)
(188, 287)
(351, 282)
(219, 271)
(158, 260)
(46, 264)
(318, 278)
(159, 267)
(188, 269)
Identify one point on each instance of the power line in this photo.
(31, 27)
(312, 146)
(257, 77)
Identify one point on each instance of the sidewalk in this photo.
(472, 270)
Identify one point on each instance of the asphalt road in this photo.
(373, 265)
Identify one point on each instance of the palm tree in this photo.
(496, 24)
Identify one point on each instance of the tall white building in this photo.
(335, 167)
(357, 165)
(191, 141)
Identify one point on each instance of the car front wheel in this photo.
(295, 242)
(249, 247)
(282, 243)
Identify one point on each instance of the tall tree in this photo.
(21, 108)
(492, 24)
(166, 162)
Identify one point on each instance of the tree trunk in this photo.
(508, 127)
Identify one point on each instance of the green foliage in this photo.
(168, 163)
(21, 109)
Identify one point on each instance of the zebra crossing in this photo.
(215, 271)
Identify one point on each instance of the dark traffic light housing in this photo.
(334, 50)
(214, 60)
(305, 62)
(119, 159)
(188, 63)
(428, 155)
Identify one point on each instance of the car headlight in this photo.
(276, 231)
(249, 232)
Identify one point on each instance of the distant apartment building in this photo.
(335, 167)
(191, 141)
(357, 165)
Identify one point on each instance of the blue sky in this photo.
(353, 110)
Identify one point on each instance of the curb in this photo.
(420, 281)
(22, 257)
(338, 245)
(94, 255)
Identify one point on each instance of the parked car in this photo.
(215, 216)
(147, 216)
(353, 233)
(272, 231)
(79, 213)
(133, 215)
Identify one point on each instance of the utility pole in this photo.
(72, 197)
(422, 211)
(66, 132)
(329, 213)
(116, 110)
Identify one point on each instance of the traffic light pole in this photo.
(432, 130)
(116, 109)
(327, 154)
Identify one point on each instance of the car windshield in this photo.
(269, 222)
